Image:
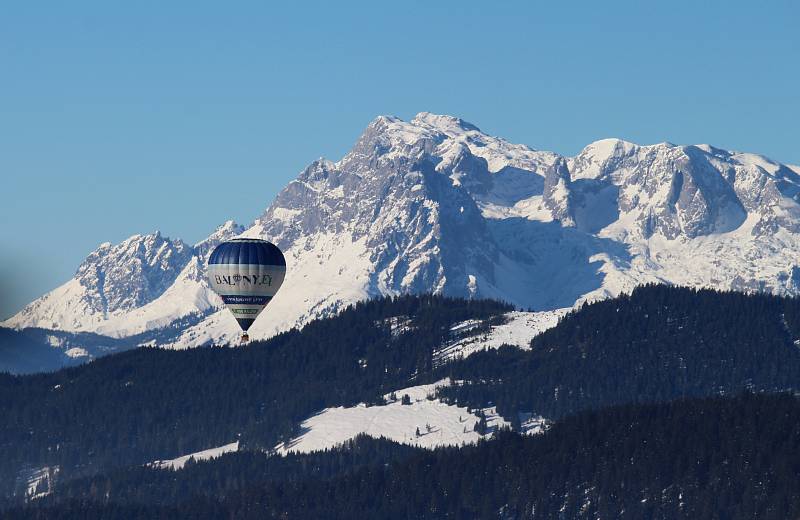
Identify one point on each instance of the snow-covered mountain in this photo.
(144, 283)
(434, 204)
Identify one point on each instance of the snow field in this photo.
(518, 331)
(450, 425)
(211, 453)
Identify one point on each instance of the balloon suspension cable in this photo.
(245, 338)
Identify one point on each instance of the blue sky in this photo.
(125, 117)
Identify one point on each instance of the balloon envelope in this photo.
(246, 273)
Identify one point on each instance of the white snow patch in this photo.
(531, 424)
(285, 213)
(54, 341)
(211, 453)
(519, 329)
(439, 424)
(39, 482)
(76, 352)
(398, 325)
(472, 284)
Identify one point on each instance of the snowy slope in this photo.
(39, 482)
(436, 205)
(211, 453)
(519, 329)
(144, 283)
(449, 425)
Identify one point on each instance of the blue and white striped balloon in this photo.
(246, 273)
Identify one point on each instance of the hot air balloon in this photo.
(246, 273)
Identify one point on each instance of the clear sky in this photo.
(119, 118)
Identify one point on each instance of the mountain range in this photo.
(436, 205)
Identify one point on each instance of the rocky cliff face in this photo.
(434, 204)
(131, 274)
(142, 283)
(692, 191)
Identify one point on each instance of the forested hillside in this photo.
(125, 410)
(25, 354)
(733, 458)
(149, 404)
(656, 344)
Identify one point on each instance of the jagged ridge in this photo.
(436, 205)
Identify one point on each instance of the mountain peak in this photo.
(603, 148)
(226, 231)
(226, 228)
(423, 133)
(435, 205)
(444, 123)
(133, 272)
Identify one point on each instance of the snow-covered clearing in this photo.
(76, 352)
(518, 331)
(532, 424)
(211, 453)
(39, 482)
(439, 424)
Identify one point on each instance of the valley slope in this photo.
(100, 432)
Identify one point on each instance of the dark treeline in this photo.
(718, 458)
(26, 354)
(234, 472)
(657, 344)
(148, 404)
